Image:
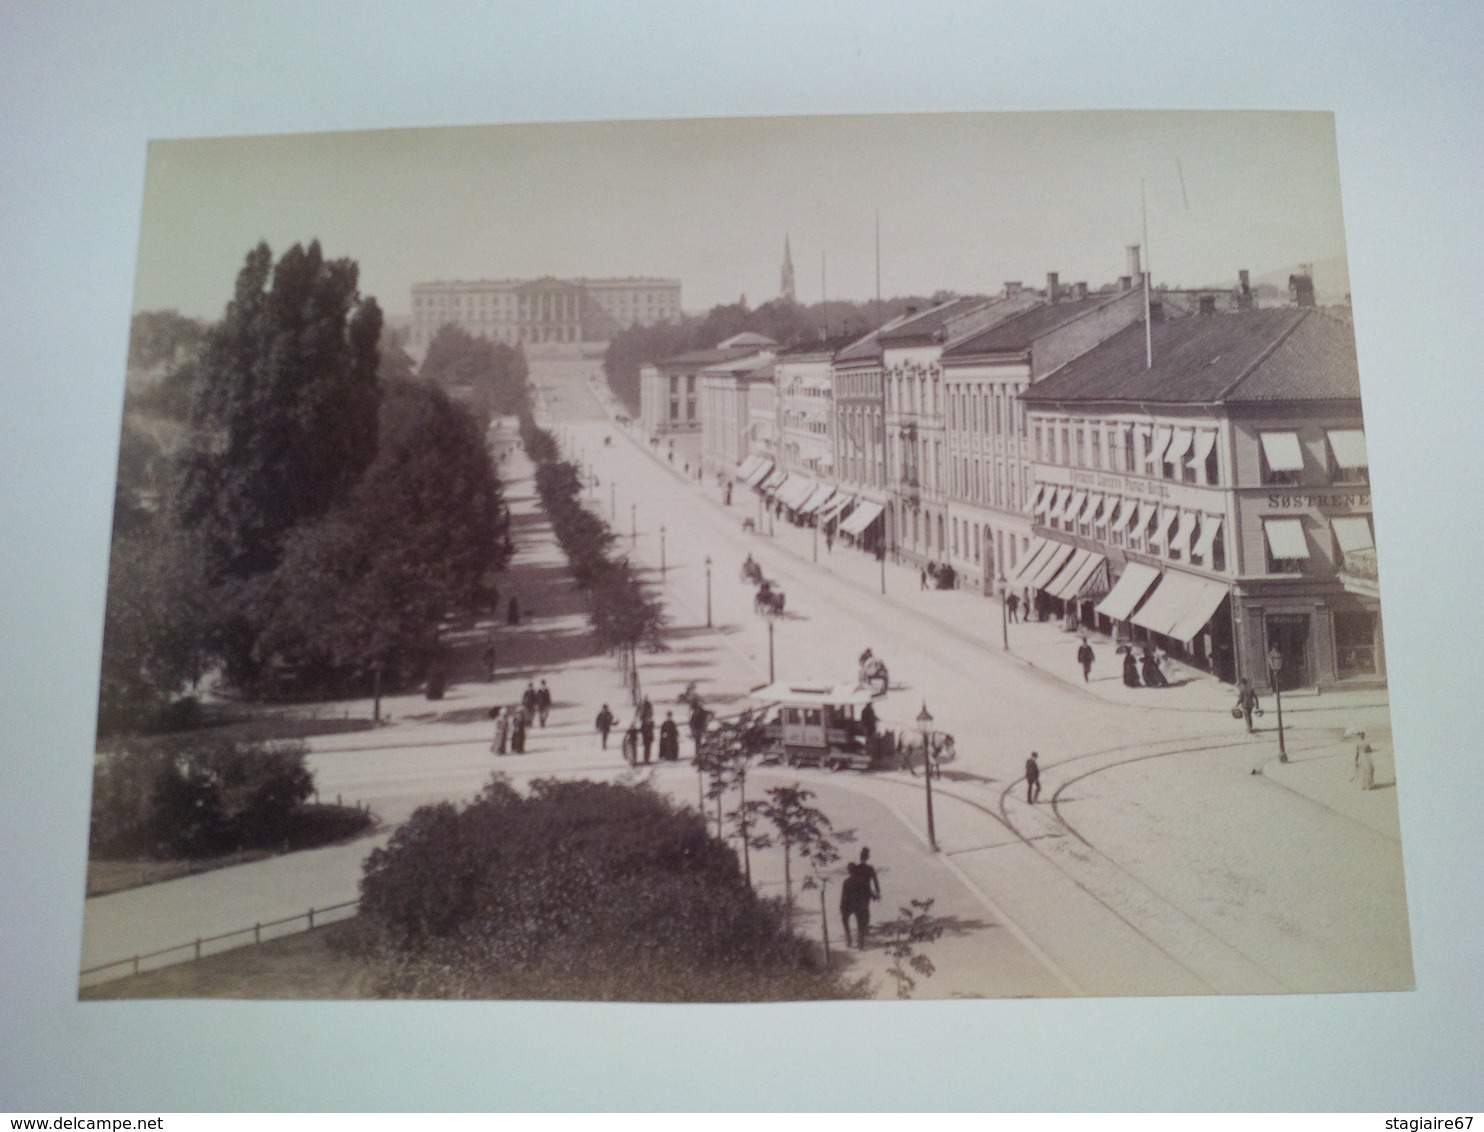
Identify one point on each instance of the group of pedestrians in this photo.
(512, 723)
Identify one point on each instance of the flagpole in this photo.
(1148, 326)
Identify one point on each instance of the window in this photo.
(998, 419)
(1097, 449)
(1128, 450)
(1081, 448)
(1287, 546)
(1348, 462)
(1039, 455)
(1282, 458)
(1355, 642)
(1066, 445)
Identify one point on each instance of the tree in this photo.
(490, 375)
(364, 591)
(726, 755)
(284, 409)
(161, 340)
(800, 829)
(914, 926)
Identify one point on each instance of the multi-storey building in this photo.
(540, 312)
(987, 449)
(737, 403)
(916, 407)
(670, 394)
(1215, 503)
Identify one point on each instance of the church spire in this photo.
(787, 288)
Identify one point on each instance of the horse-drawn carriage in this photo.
(768, 601)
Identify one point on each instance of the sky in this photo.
(966, 202)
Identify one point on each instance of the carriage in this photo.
(768, 601)
(816, 725)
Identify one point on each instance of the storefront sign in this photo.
(1325, 502)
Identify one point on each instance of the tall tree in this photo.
(489, 376)
(284, 412)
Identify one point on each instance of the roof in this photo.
(751, 364)
(748, 339)
(825, 346)
(1017, 332)
(868, 347)
(819, 693)
(1248, 356)
(930, 321)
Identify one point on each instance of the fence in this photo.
(204, 945)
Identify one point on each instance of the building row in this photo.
(1195, 480)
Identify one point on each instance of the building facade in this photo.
(540, 312)
(670, 395)
(1214, 504)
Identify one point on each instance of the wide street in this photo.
(1156, 862)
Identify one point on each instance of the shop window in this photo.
(1355, 643)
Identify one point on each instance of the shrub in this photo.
(581, 890)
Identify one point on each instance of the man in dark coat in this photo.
(860, 888)
(1032, 778)
(698, 718)
(868, 722)
(1130, 669)
(1012, 608)
(1085, 658)
(1247, 703)
(604, 724)
(646, 732)
(543, 703)
(528, 701)
(669, 739)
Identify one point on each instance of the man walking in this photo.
(1033, 778)
(1085, 659)
(698, 718)
(1012, 608)
(604, 724)
(528, 701)
(1247, 703)
(669, 739)
(860, 888)
(543, 703)
(646, 732)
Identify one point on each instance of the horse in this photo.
(769, 601)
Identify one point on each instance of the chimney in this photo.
(1208, 304)
(1244, 291)
(911, 310)
(1079, 290)
(1012, 288)
(1052, 289)
(1125, 283)
(1301, 290)
(1134, 271)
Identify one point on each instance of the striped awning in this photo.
(1078, 575)
(1132, 585)
(861, 518)
(1054, 562)
(1031, 563)
(817, 499)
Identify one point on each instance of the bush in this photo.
(206, 795)
(581, 890)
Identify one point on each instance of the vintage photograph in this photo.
(729, 560)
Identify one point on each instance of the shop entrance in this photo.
(1289, 633)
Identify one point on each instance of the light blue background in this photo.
(82, 87)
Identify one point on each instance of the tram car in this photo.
(817, 724)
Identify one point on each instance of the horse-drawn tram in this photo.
(816, 725)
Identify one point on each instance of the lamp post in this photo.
(612, 502)
(771, 677)
(925, 726)
(1004, 613)
(1275, 667)
(662, 550)
(633, 523)
(708, 591)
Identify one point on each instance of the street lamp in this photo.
(771, 677)
(612, 502)
(633, 523)
(662, 550)
(1004, 613)
(925, 726)
(1275, 666)
(708, 591)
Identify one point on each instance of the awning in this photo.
(772, 482)
(1074, 505)
(1055, 502)
(1353, 533)
(1038, 505)
(1064, 576)
(1205, 441)
(1114, 515)
(1205, 600)
(793, 493)
(761, 472)
(1210, 528)
(1179, 445)
(817, 498)
(1037, 554)
(862, 517)
(1132, 585)
(747, 467)
(1097, 512)
(1175, 594)
(1348, 445)
(1076, 575)
(1286, 538)
(833, 508)
(1282, 451)
(1161, 442)
(1131, 512)
(1054, 562)
(1167, 520)
(1187, 531)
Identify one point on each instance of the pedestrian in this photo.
(1149, 667)
(646, 732)
(502, 731)
(1365, 765)
(1085, 658)
(528, 701)
(1012, 608)
(631, 744)
(512, 611)
(829, 540)
(698, 719)
(489, 662)
(729, 493)
(518, 733)
(1033, 778)
(868, 722)
(1130, 669)
(543, 702)
(860, 888)
(1025, 605)
(604, 724)
(922, 578)
(850, 899)
(669, 739)
(1247, 704)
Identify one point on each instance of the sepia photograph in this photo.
(911, 556)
